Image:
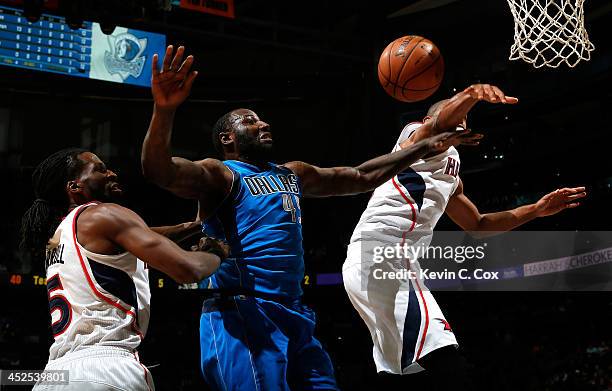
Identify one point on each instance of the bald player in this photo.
(407, 327)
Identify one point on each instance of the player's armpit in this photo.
(185, 178)
(192, 180)
(127, 230)
(463, 211)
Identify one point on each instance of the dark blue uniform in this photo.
(258, 336)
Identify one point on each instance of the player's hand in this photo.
(558, 200)
(489, 93)
(171, 85)
(443, 141)
(214, 246)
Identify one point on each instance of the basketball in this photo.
(411, 68)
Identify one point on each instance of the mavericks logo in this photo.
(125, 56)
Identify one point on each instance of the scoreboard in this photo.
(157, 280)
(49, 45)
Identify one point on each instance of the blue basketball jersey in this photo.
(261, 221)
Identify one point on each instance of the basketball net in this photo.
(549, 32)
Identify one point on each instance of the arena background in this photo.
(309, 69)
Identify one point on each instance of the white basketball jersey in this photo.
(406, 208)
(94, 299)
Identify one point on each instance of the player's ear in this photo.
(74, 187)
(226, 138)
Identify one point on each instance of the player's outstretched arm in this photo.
(178, 230)
(457, 108)
(170, 87)
(125, 229)
(325, 182)
(184, 234)
(466, 215)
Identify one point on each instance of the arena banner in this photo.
(49, 45)
(125, 55)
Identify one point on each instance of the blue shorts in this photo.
(254, 344)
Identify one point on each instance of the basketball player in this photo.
(407, 327)
(97, 286)
(257, 335)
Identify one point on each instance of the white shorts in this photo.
(101, 369)
(404, 320)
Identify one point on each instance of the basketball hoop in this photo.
(549, 32)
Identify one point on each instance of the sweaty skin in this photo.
(460, 208)
(209, 181)
(108, 228)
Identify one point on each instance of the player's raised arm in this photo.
(325, 182)
(170, 87)
(466, 215)
(449, 113)
(128, 231)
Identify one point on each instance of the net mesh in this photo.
(549, 32)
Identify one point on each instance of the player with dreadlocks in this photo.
(97, 284)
